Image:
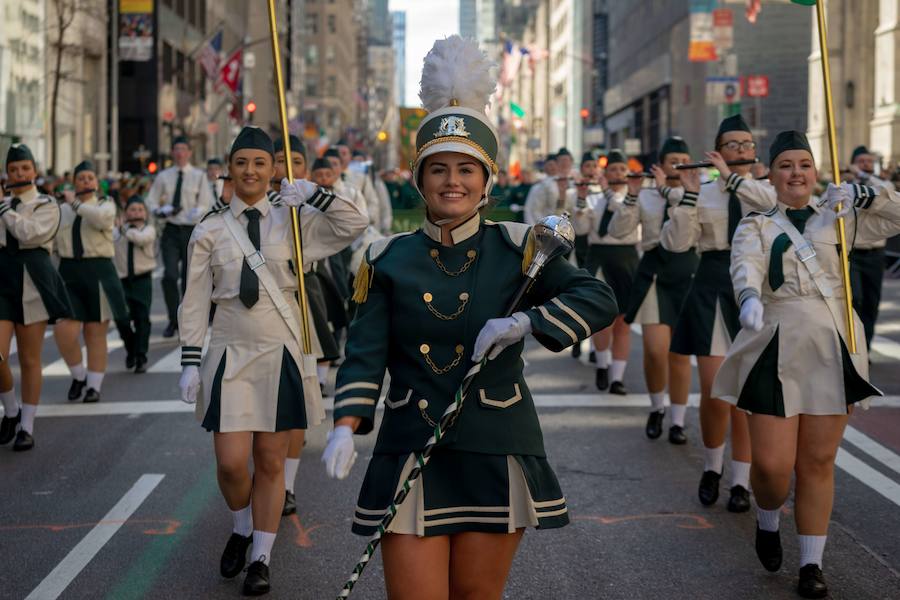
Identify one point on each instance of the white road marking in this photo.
(78, 558)
(883, 455)
(886, 347)
(869, 476)
(170, 363)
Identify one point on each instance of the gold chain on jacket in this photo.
(425, 349)
(463, 297)
(423, 406)
(471, 254)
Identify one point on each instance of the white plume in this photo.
(456, 68)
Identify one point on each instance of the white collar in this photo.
(458, 234)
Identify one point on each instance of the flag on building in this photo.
(753, 8)
(230, 74)
(209, 55)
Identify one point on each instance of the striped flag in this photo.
(210, 54)
(753, 8)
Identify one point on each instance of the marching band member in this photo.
(789, 366)
(659, 289)
(426, 305)
(84, 243)
(253, 384)
(548, 196)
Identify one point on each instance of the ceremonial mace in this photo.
(295, 211)
(550, 236)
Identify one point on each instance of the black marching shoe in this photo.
(8, 427)
(601, 379)
(709, 488)
(739, 501)
(171, 328)
(592, 357)
(77, 388)
(618, 388)
(653, 429)
(768, 548)
(129, 361)
(140, 364)
(676, 435)
(290, 503)
(235, 555)
(576, 350)
(257, 581)
(812, 582)
(91, 396)
(24, 441)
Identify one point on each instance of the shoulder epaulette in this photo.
(768, 213)
(379, 247)
(214, 211)
(518, 236)
(363, 280)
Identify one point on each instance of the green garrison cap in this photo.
(332, 152)
(19, 152)
(296, 145)
(672, 145)
(589, 157)
(136, 199)
(84, 165)
(788, 140)
(181, 139)
(732, 123)
(616, 156)
(321, 163)
(253, 138)
(857, 152)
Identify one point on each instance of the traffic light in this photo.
(251, 108)
(152, 167)
(585, 113)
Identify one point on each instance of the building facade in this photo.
(398, 19)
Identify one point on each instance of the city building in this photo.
(468, 20)
(398, 18)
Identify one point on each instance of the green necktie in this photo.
(77, 245)
(734, 214)
(249, 290)
(12, 243)
(176, 200)
(798, 218)
(604, 223)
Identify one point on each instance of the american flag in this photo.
(209, 55)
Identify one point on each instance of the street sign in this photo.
(722, 90)
(756, 86)
(632, 146)
(723, 28)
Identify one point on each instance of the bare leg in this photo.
(66, 334)
(679, 378)
(714, 412)
(621, 338)
(269, 452)
(95, 340)
(30, 339)
(817, 446)
(656, 339)
(774, 443)
(480, 563)
(233, 467)
(416, 568)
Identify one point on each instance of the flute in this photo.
(18, 184)
(648, 175)
(706, 163)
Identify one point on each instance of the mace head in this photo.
(553, 234)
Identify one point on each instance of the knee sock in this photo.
(811, 549)
(678, 411)
(740, 474)
(78, 371)
(28, 413)
(322, 373)
(657, 401)
(243, 521)
(768, 519)
(290, 472)
(94, 380)
(713, 459)
(10, 405)
(262, 546)
(603, 357)
(617, 370)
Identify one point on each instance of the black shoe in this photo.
(812, 582)
(235, 555)
(140, 364)
(91, 396)
(601, 378)
(257, 581)
(709, 488)
(129, 361)
(618, 388)
(592, 357)
(24, 441)
(76, 389)
(8, 427)
(576, 350)
(171, 328)
(653, 429)
(739, 501)
(676, 435)
(768, 548)
(290, 503)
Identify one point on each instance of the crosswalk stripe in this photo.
(885, 486)
(873, 448)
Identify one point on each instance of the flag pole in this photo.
(836, 174)
(295, 211)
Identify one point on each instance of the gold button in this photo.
(427, 297)
(460, 348)
(433, 253)
(423, 404)
(464, 296)
(471, 253)
(424, 348)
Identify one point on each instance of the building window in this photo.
(329, 54)
(332, 25)
(311, 89)
(312, 23)
(331, 86)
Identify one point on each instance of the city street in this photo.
(119, 499)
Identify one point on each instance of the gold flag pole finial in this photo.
(295, 212)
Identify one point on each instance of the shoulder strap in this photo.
(805, 252)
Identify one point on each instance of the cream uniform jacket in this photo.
(876, 183)
(364, 186)
(144, 240)
(34, 222)
(586, 221)
(543, 199)
(810, 326)
(98, 217)
(645, 213)
(196, 195)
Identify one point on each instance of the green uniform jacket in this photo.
(425, 306)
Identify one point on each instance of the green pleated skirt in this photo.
(94, 289)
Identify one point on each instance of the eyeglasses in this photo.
(735, 146)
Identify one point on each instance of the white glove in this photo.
(835, 195)
(339, 454)
(298, 192)
(752, 314)
(189, 384)
(165, 210)
(501, 333)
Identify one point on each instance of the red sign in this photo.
(723, 17)
(756, 86)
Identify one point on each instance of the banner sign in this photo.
(135, 30)
(702, 45)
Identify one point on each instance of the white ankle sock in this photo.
(740, 474)
(768, 519)
(290, 472)
(10, 404)
(28, 413)
(658, 401)
(603, 357)
(713, 459)
(78, 371)
(678, 412)
(811, 549)
(94, 380)
(243, 521)
(322, 373)
(262, 546)
(617, 370)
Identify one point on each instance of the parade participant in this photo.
(214, 169)
(789, 366)
(614, 260)
(179, 197)
(32, 293)
(426, 302)
(520, 193)
(660, 286)
(548, 196)
(866, 259)
(589, 170)
(502, 191)
(709, 318)
(355, 179)
(84, 244)
(253, 384)
(12, 412)
(135, 260)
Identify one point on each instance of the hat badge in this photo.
(452, 126)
